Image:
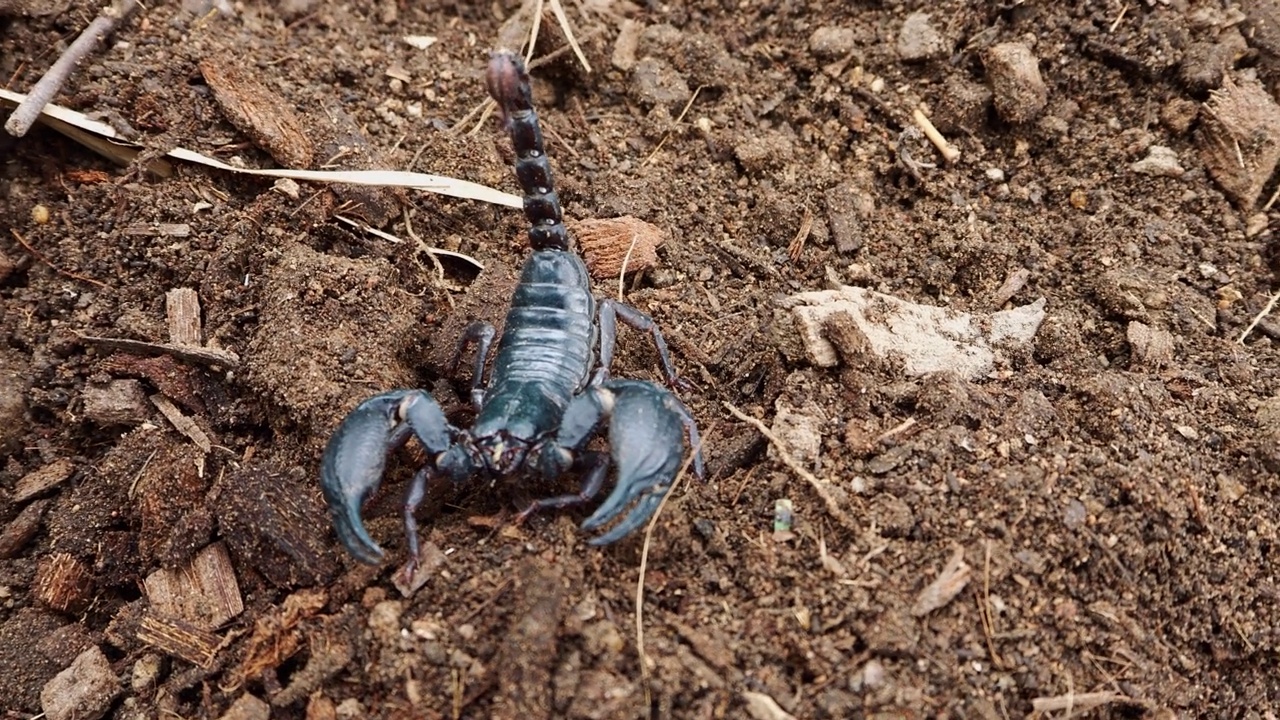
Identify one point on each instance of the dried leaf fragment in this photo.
(953, 578)
(38, 481)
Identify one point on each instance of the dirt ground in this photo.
(1111, 486)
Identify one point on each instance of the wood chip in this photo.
(179, 639)
(258, 112)
(182, 305)
(184, 424)
(37, 482)
(119, 402)
(953, 578)
(21, 529)
(204, 593)
(63, 583)
(213, 357)
(763, 707)
(1239, 139)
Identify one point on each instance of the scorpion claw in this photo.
(632, 521)
(354, 460)
(646, 428)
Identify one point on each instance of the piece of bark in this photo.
(39, 481)
(214, 357)
(63, 583)
(204, 593)
(182, 306)
(257, 111)
(178, 381)
(608, 243)
(21, 529)
(269, 520)
(1239, 139)
(850, 209)
(119, 402)
(184, 424)
(179, 639)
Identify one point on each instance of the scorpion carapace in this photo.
(549, 392)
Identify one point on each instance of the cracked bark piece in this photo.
(257, 111)
(1239, 139)
(855, 322)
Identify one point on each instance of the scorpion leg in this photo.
(356, 456)
(608, 314)
(482, 334)
(597, 469)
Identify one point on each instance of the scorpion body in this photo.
(542, 404)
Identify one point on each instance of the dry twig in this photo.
(1271, 304)
(42, 258)
(30, 108)
(820, 486)
(949, 152)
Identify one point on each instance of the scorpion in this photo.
(543, 404)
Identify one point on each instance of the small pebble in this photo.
(995, 174)
(832, 43)
(1013, 72)
(1256, 224)
(1160, 161)
(247, 707)
(84, 691)
(919, 40)
(654, 82)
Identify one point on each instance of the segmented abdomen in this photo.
(548, 343)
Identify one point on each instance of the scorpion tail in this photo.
(508, 83)
(647, 425)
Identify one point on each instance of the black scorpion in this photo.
(543, 403)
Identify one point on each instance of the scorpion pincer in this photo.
(543, 403)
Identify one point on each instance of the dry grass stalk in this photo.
(644, 561)
(953, 578)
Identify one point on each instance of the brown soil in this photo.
(1114, 497)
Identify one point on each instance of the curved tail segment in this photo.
(508, 83)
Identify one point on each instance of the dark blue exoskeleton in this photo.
(543, 403)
